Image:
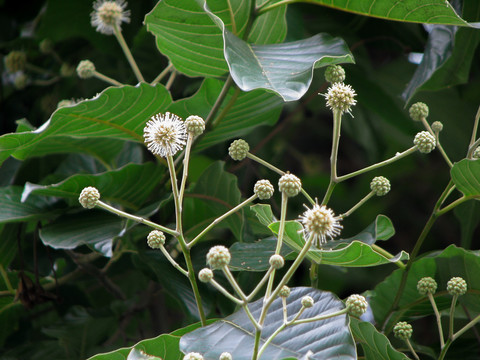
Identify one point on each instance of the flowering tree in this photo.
(136, 198)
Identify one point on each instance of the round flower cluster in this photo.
(89, 197)
(476, 153)
(15, 61)
(356, 305)
(156, 239)
(276, 261)
(218, 257)
(403, 330)
(437, 126)
(205, 275)
(307, 302)
(380, 185)
(108, 15)
(320, 222)
(426, 285)
(165, 134)
(195, 125)
(418, 111)
(334, 74)
(263, 189)
(238, 149)
(225, 356)
(193, 356)
(456, 286)
(85, 69)
(340, 97)
(290, 185)
(21, 81)
(284, 291)
(425, 142)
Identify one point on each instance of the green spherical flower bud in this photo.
(340, 97)
(290, 185)
(380, 185)
(418, 111)
(276, 261)
(426, 285)
(437, 126)
(238, 149)
(89, 197)
(356, 305)
(156, 239)
(476, 153)
(205, 275)
(263, 189)
(284, 291)
(20, 81)
(334, 74)
(425, 142)
(15, 61)
(403, 330)
(225, 356)
(456, 286)
(218, 257)
(85, 69)
(195, 125)
(46, 46)
(307, 302)
(193, 356)
(66, 70)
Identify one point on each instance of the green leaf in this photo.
(468, 215)
(286, 69)
(129, 185)
(381, 229)
(136, 354)
(433, 12)
(96, 229)
(118, 113)
(376, 346)
(465, 175)
(264, 213)
(13, 209)
(249, 111)
(9, 234)
(453, 261)
(215, 193)
(235, 334)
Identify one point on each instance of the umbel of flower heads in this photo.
(165, 134)
(108, 15)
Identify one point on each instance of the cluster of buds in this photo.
(455, 286)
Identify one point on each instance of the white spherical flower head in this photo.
(425, 142)
(205, 275)
(264, 189)
(276, 261)
(156, 239)
(108, 15)
(165, 134)
(89, 197)
(320, 222)
(340, 97)
(218, 257)
(193, 356)
(225, 356)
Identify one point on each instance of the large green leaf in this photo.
(286, 69)
(94, 228)
(468, 215)
(13, 209)
(453, 261)
(375, 345)
(118, 113)
(249, 111)
(129, 185)
(433, 12)
(466, 177)
(215, 193)
(194, 44)
(326, 339)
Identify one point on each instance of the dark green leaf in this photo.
(129, 186)
(466, 177)
(9, 234)
(13, 209)
(468, 214)
(375, 345)
(235, 334)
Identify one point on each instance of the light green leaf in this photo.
(118, 113)
(376, 346)
(466, 177)
(433, 12)
(129, 185)
(326, 339)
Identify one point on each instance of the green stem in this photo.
(260, 284)
(263, 9)
(227, 107)
(439, 319)
(471, 147)
(320, 317)
(387, 255)
(337, 125)
(397, 156)
(221, 218)
(465, 328)
(269, 340)
(453, 205)
(138, 219)
(172, 261)
(439, 146)
(226, 293)
(118, 34)
(410, 347)
(452, 316)
(234, 283)
(220, 98)
(106, 78)
(162, 74)
(256, 345)
(360, 203)
(186, 160)
(176, 197)
(171, 79)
